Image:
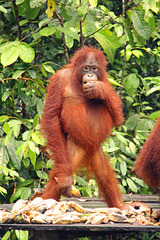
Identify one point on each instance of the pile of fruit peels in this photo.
(69, 212)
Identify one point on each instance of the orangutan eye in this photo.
(94, 69)
(86, 68)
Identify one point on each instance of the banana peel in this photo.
(75, 191)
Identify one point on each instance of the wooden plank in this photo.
(95, 202)
(115, 227)
(57, 231)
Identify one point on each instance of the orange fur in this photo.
(75, 126)
(147, 165)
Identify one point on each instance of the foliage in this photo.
(39, 36)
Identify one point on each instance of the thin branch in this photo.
(81, 32)
(63, 37)
(125, 44)
(32, 33)
(112, 20)
(97, 30)
(17, 20)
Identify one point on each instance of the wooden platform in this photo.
(73, 231)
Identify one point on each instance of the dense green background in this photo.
(33, 46)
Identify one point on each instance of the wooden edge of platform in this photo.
(115, 227)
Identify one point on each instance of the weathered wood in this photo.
(71, 231)
(82, 227)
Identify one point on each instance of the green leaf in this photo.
(4, 155)
(19, 2)
(22, 148)
(26, 135)
(25, 193)
(48, 68)
(42, 175)
(143, 124)
(138, 181)
(13, 156)
(80, 181)
(121, 138)
(6, 95)
(9, 56)
(123, 168)
(127, 26)
(132, 122)
(25, 9)
(132, 147)
(21, 23)
(6, 236)
(47, 31)
(152, 90)
(36, 138)
(68, 32)
(21, 234)
(93, 3)
(26, 52)
(16, 195)
(2, 9)
(131, 83)
(17, 74)
(132, 185)
(43, 71)
(6, 127)
(137, 53)
(141, 27)
(35, 121)
(8, 136)
(3, 118)
(44, 22)
(105, 45)
(83, 9)
(16, 130)
(32, 156)
(108, 41)
(89, 25)
(13, 123)
(25, 183)
(113, 149)
(36, 3)
(31, 145)
(111, 80)
(154, 115)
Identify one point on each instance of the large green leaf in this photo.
(2, 9)
(131, 83)
(68, 32)
(123, 168)
(132, 185)
(47, 31)
(141, 27)
(127, 26)
(103, 41)
(142, 125)
(93, 3)
(9, 56)
(132, 122)
(4, 155)
(89, 26)
(152, 90)
(26, 52)
(19, 2)
(24, 8)
(3, 118)
(13, 156)
(36, 3)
